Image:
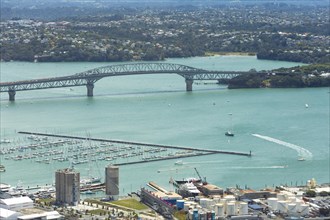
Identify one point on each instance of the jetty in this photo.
(95, 187)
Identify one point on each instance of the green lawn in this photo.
(97, 212)
(130, 203)
(47, 201)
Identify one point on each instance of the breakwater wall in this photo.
(139, 144)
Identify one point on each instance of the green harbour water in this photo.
(157, 109)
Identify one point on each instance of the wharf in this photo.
(156, 187)
(82, 188)
(39, 187)
(93, 187)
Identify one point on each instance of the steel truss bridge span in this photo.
(89, 77)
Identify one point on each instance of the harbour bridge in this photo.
(89, 77)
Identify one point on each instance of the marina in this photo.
(140, 144)
(52, 148)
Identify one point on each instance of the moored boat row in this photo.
(77, 152)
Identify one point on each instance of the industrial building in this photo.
(29, 214)
(8, 214)
(163, 194)
(42, 216)
(252, 194)
(164, 207)
(67, 183)
(210, 190)
(16, 203)
(112, 182)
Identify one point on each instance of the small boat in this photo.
(2, 168)
(90, 181)
(5, 141)
(306, 106)
(88, 192)
(301, 159)
(190, 188)
(228, 133)
(179, 163)
(188, 180)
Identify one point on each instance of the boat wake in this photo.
(266, 167)
(176, 169)
(202, 162)
(302, 152)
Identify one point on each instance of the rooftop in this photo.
(67, 170)
(211, 187)
(48, 215)
(16, 200)
(169, 195)
(5, 213)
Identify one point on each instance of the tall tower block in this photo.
(67, 184)
(112, 181)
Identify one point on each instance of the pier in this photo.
(194, 151)
(97, 187)
(92, 187)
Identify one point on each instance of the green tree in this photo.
(310, 193)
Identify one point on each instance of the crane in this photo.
(203, 181)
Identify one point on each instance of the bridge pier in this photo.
(189, 83)
(90, 87)
(12, 94)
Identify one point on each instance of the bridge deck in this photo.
(90, 77)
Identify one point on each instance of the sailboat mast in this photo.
(231, 122)
(230, 131)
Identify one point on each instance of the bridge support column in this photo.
(189, 83)
(12, 94)
(90, 87)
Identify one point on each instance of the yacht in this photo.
(4, 187)
(179, 163)
(190, 188)
(228, 133)
(5, 141)
(90, 181)
(301, 159)
(2, 168)
(188, 180)
(88, 192)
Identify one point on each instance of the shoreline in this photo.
(210, 54)
(206, 54)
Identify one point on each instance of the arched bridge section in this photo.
(89, 77)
